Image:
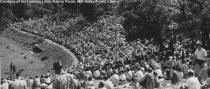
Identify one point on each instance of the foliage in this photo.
(151, 18)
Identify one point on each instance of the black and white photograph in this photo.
(105, 44)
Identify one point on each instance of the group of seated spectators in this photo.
(144, 72)
(107, 61)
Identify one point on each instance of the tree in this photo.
(6, 15)
(19, 10)
(144, 19)
(191, 18)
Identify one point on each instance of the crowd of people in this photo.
(103, 40)
(148, 73)
(107, 61)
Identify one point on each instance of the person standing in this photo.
(200, 54)
(19, 83)
(14, 69)
(11, 67)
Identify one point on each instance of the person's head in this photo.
(128, 69)
(183, 87)
(18, 74)
(101, 85)
(36, 76)
(170, 57)
(106, 77)
(155, 74)
(190, 73)
(46, 76)
(42, 76)
(149, 70)
(183, 61)
(199, 45)
(30, 77)
(157, 67)
(179, 69)
(206, 65)
(90, 78)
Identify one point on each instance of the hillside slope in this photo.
(33, 54)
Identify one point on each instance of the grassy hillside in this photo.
(33, 62)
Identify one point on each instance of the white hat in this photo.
(199, 43)
(191, 71)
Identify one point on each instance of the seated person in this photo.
(192, 82)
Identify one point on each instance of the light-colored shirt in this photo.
(5, 85)
(159, 72)
(200, 54)
(122, 77)
(137, 85)
(48, 80)
(115, 79)
(193, 83)
(31, 81)
(89, 85)
(129, 75)
(180, 75)
(37, 83)
(19, 84)
(108, 84)
(96, 73)
(89, 73)
(139, 75)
